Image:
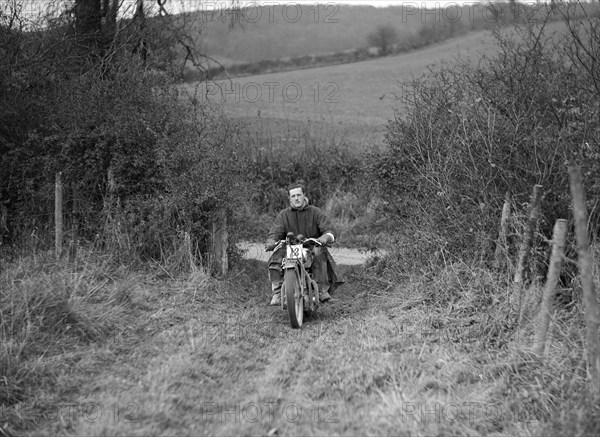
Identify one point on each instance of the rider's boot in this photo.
(324, 296)
(276, 299)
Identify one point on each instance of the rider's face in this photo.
(296, 197)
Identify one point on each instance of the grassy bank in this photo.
(62, 322)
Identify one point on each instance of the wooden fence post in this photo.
(189, 251)
(534, 213)
(501, 243)
(585, 272)
(556, 260)
(74, 224)
(58, 214)
(220, 241)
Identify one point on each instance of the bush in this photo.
(140, 164)
(474, 132)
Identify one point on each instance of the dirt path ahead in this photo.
(210, 357)
(220, 361)
(341, 255)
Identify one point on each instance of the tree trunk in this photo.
(140, 17)
(88, 21)
(109, 13)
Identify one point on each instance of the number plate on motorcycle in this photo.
(294, 251)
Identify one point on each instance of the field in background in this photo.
(355, 99)
(362, 93)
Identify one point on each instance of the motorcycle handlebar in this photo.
(313, 240)
(303, 241)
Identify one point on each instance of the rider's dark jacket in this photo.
(308, 220)
(311, 222)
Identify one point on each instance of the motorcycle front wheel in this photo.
(293, 294)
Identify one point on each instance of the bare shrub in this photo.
(384, 38)
(472, 132)
(140, 162)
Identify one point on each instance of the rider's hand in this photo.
(324, 239)
(270, 245)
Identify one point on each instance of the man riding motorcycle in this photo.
(311, 222)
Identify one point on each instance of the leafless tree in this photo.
(384, 38)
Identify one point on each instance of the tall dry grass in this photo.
(61, 321)
(48, 310)
(46, 304)
(466, 308)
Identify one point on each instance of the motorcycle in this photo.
(300, 291)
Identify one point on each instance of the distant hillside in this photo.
(352, 101)
(290, 30)
(348, 102)
(360, 92)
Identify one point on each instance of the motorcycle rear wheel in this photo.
(295, 301)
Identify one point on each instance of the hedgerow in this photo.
(142, 165)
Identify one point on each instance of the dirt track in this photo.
(341, 255)
(205, 357)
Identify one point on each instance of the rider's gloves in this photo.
(270, 245)
(324, 239)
